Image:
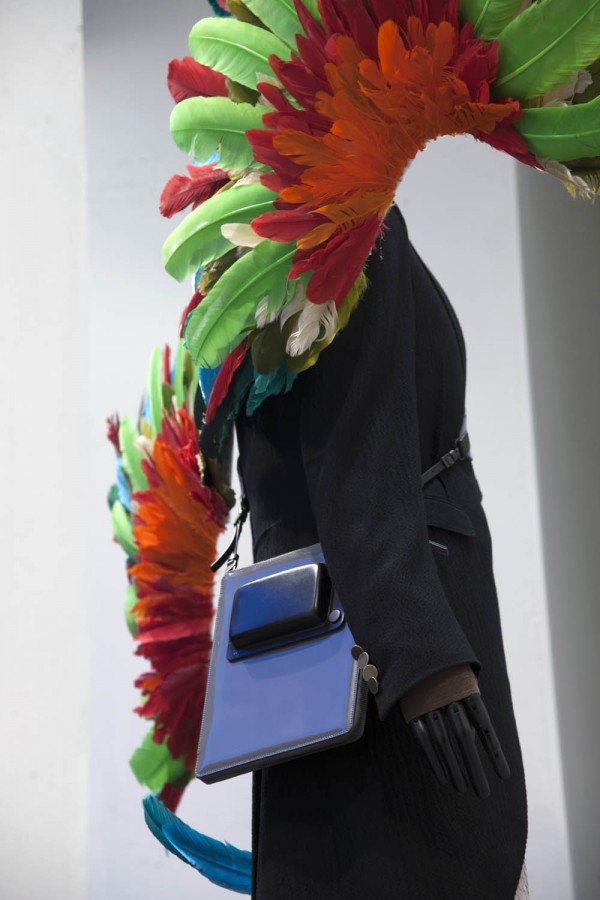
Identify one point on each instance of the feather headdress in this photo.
(314, 110)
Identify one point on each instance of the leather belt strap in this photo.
(460, 451)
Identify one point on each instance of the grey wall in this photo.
(561, 265)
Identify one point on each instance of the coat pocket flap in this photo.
(442, 514)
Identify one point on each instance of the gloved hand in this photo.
(448, 732)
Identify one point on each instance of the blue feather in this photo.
(157, 816)
(221, 863)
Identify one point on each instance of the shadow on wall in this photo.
(561, 265)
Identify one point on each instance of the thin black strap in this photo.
(233, 546)
(460, 451)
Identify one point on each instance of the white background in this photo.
(79, 320)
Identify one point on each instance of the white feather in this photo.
(317, 321)
(264, 316)
(241, 234)
(296, 304)
(573, 182)
(252, 177)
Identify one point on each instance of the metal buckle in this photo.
(448, 459)
(463, 446)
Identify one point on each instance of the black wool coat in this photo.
(338, 460)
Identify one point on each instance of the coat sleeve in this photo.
(361, 452)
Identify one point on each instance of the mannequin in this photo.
(339, 460)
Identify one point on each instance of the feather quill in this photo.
(227, 313)
(236, 49)
(489, 17)
(198, 240)
(544, 45)
(202, 125)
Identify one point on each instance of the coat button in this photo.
(373, 685)
(369, 671)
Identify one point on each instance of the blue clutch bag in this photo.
(282, 680)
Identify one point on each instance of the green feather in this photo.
(155, 394)
(236, 49)
(218, 325)
(562, 132)
(131, 598)
(279, 16)
(201, 125)
(132, 457)
(153, 764)
(179, 380)
(197, 240)
(122, 529)
(489, 17)
(545, 45)
(313, 8)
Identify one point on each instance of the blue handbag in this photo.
(285, 676)
(282, 678)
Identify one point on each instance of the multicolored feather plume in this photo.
(316, 111)
(167, 520)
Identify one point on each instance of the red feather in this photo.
(187, 78)
(167, 364)
(337, 264)
(180, 191)
(286, 225)
(194, 302)
(224, 378)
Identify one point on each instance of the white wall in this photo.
(460, 202)
(44, 454)
(562, 279)
(134, 306)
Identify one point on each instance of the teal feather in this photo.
(278, 382)
(220, 862)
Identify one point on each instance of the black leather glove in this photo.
(451, 739)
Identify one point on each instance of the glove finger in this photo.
(480, 718)
(461, 728)
(441, 741)
(422, 736)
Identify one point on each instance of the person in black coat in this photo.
(338, 460)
